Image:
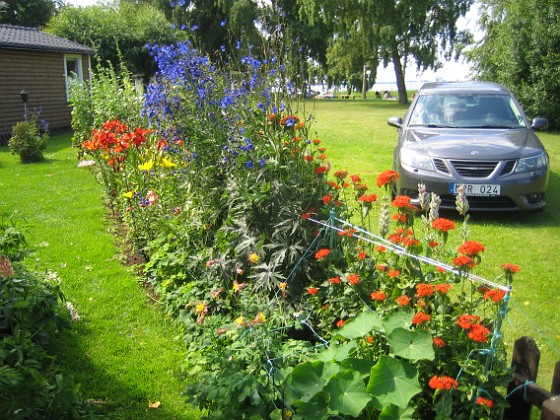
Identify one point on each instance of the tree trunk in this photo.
(399, 74)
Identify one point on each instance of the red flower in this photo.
(378, 295)
(353, 279)
(443, 225)
(386, 177)
(510, 268)
(402, 201)
(355, 179)
(438, 342)
(380, 248)
(420, 318)
(316, 141)
(403, 300)
(312, 290)
(463, 261)
(424, 289)
(466, 321)
(348, 232)
(485, 401)
(341, 174)
(443, 288)
(496, 295)
(362, 255)
(393, 273)
(433, 244)
(371, 198)
(479, 333)
(340, 323)
(305, 216)
(308, 158)
(321, 170)
(471, 248)
(443, 382)
(334, 280)
(327, 199)
(322, 253)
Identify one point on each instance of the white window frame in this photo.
(79, 68)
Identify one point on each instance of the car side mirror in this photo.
(395, 122)
(539, 124)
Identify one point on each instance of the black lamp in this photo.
(24, 97)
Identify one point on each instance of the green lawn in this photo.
(123, 350)
(358, 139)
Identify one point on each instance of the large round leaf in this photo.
(308, 379)
(362, 325)
(412, 345)
(347, 393)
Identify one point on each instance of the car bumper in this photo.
(518, 192)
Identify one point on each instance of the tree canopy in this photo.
(521, 50)
(32, 13)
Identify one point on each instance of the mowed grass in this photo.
(358, 139)
(123, 351)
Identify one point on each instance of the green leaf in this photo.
(412, 345)
(363, 367)
(347, 393)
(392, 412)
(336, 352)
(315, 409)
(398, 319)
(393, 382)
(308, 379)
(362, 325)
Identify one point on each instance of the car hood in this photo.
(476, 144)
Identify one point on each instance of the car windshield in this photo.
(466, 111)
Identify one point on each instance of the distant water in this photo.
(392, 86)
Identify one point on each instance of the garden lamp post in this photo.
(365, 82)
(24, 97)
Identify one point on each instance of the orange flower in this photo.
(341, 174)
(322, 254)
(386, 177)
(312, 290)
(424, 289)
(402, 201)
(327, 199)
(371, 198)
(443, 382)
(321, 170)
(353, 279)
(308, 158)
(305, 216)
(438, 342)
(471, 248)
(355, 179)
(510, 268)
(485, 401)
(496, 295)
(392, 273)
(380, 248)
(420, 318)
(340, 323)
(334, 280)
(466, 321)
(403, 300)
(379, 295)
(443, 288)
(443, 225)
(463, 261)
(479, 333)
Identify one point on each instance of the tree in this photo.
(395, 31)
(117, 33)
(32, 13)
(521, 50)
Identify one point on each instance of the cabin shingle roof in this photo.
(24, 38)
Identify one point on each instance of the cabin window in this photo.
(72, 70)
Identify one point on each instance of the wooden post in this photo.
(555, 387)
(551, 409)
(525, 361)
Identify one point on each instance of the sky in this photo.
(451, 71)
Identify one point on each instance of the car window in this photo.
(466, 111)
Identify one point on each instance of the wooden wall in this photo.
(41, 73)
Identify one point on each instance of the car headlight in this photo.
(416, 161)
(532, 163)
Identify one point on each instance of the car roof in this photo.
(462, 87)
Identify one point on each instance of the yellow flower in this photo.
(240, 321)
(129, 194)
(146, 166)
(166, 163)
(254, 258)
(260, 318)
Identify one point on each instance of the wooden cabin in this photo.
(36, 67)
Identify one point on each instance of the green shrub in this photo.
(28, 141)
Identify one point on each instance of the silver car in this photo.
(473, 134)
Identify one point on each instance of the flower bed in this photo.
(290, 306)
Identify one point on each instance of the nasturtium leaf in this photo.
(393, 382)
(392, 412)
(412, 345)
(308, 379)
(398, 319)
(336, 352)
(347, 393)
(360, 365)
(315, 408)
(362, 325)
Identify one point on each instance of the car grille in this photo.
(473, 168)
(480, 203)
